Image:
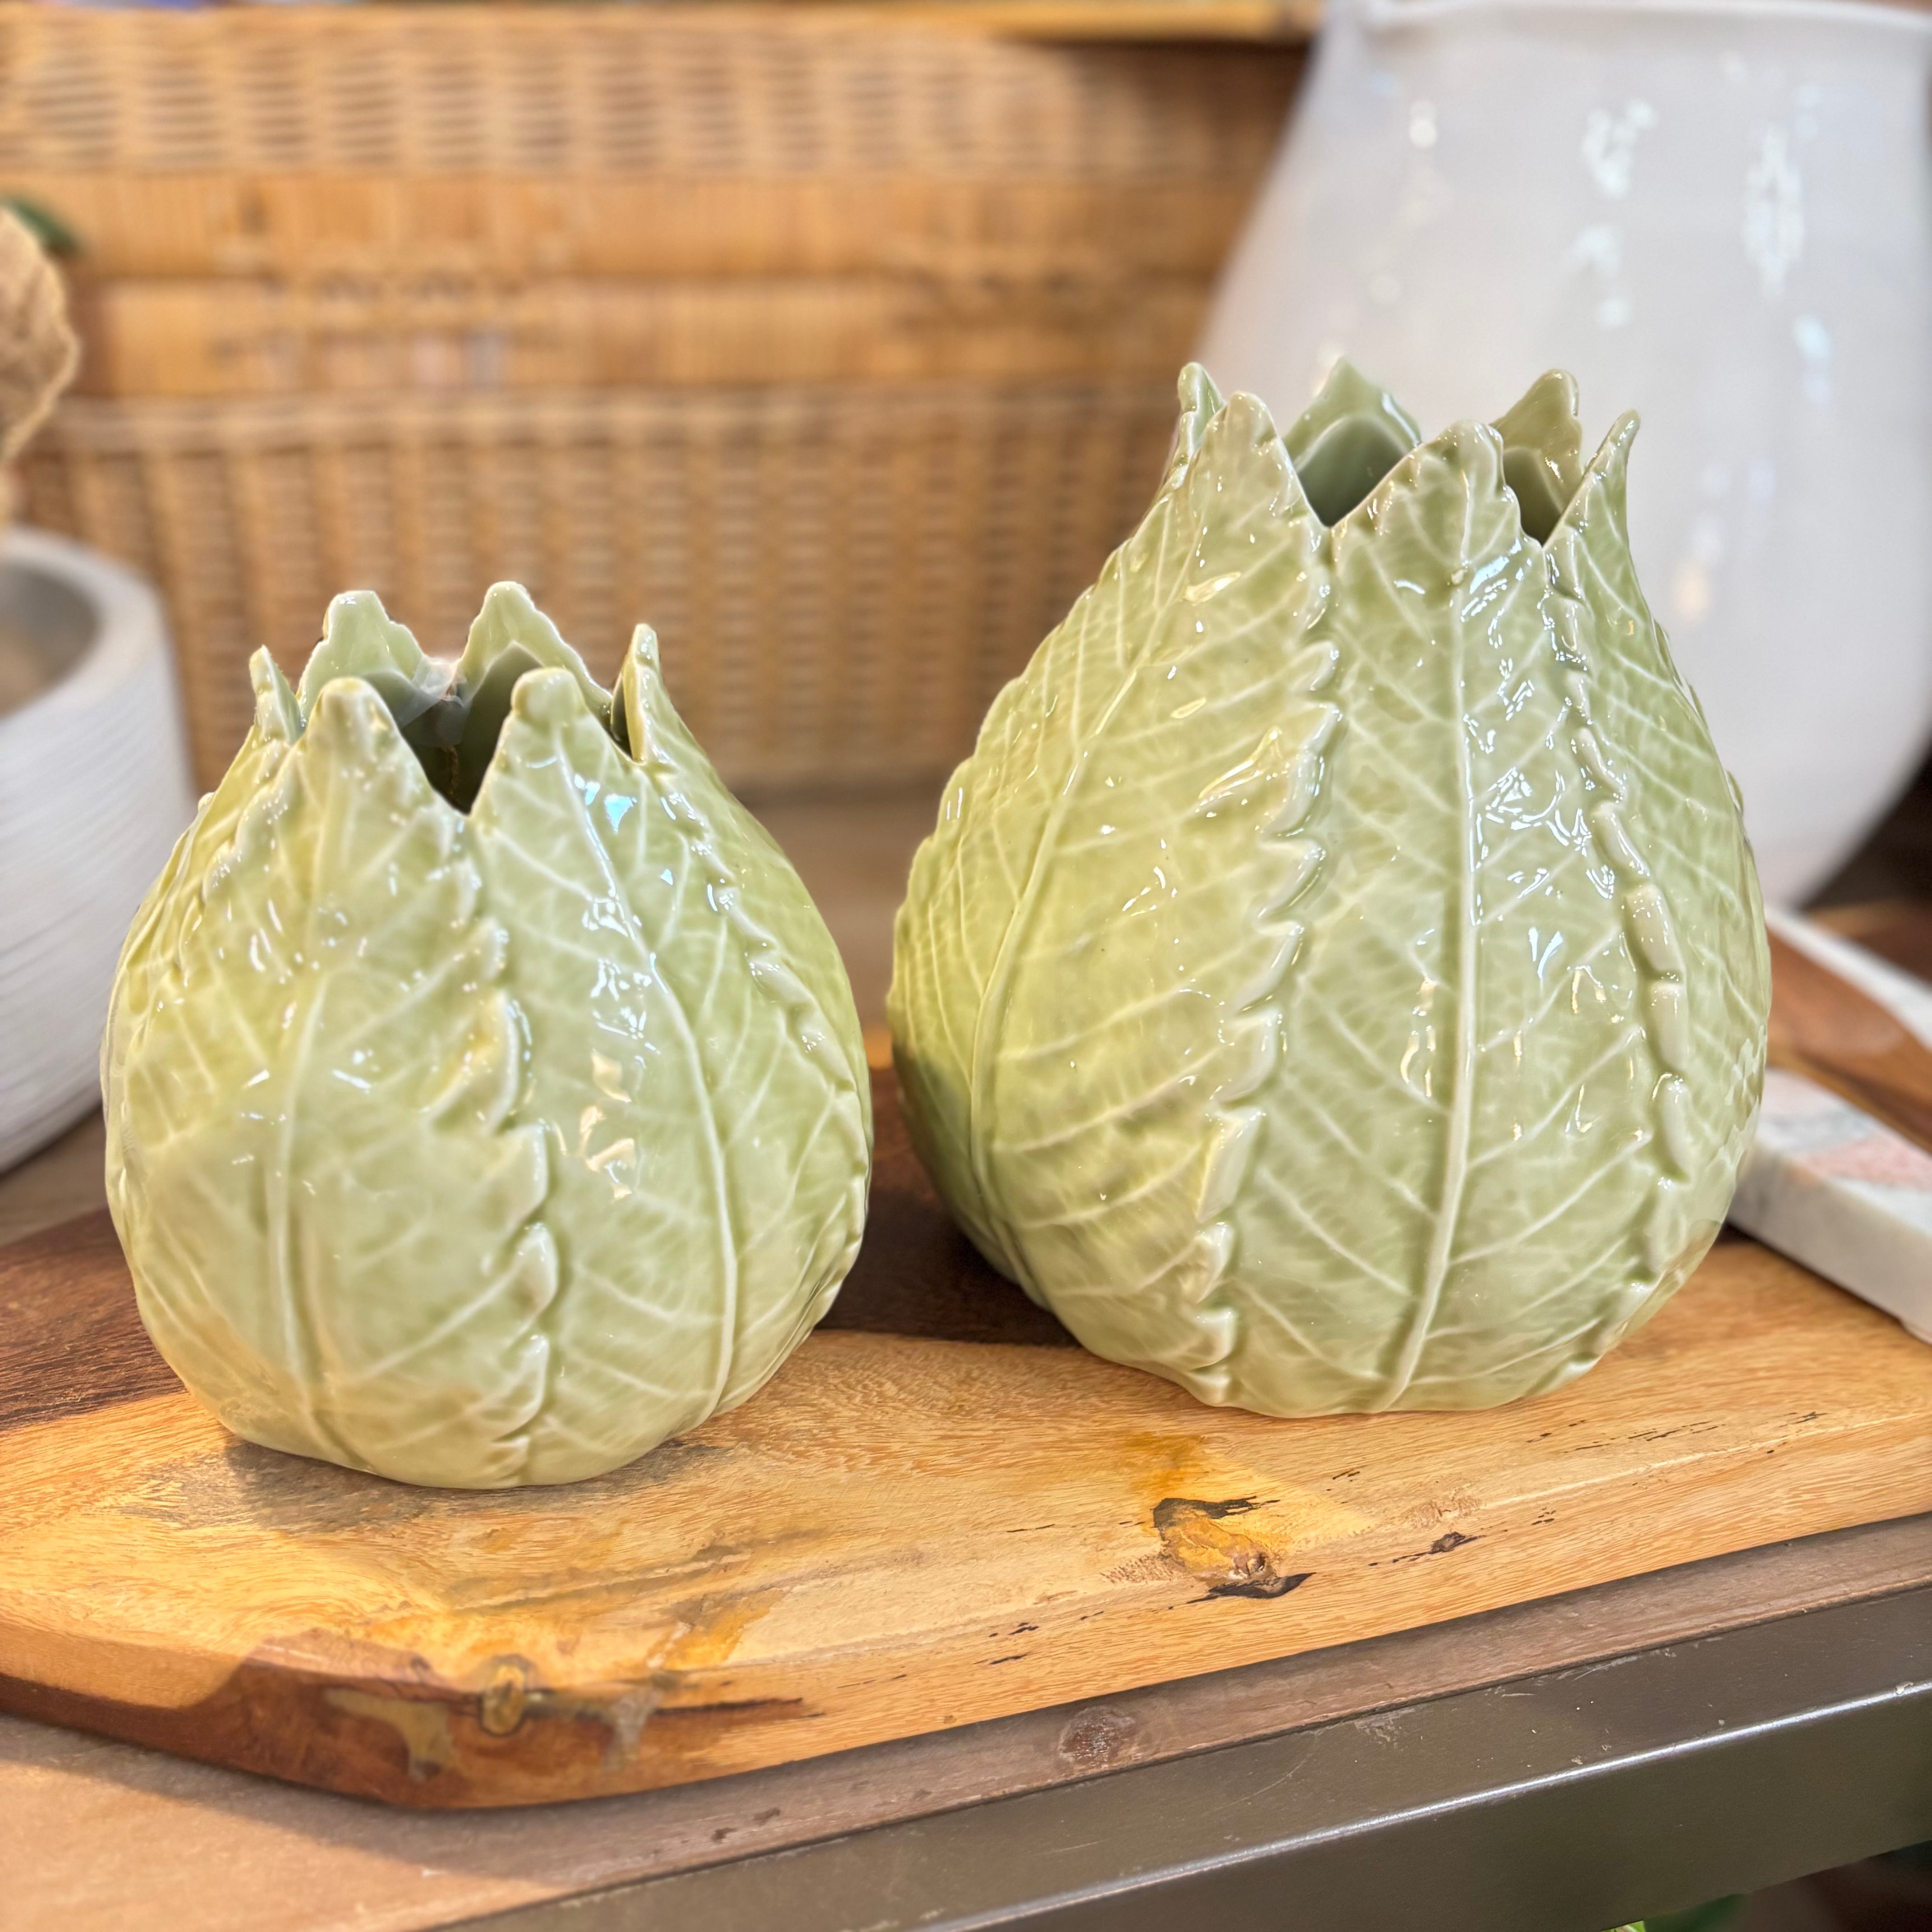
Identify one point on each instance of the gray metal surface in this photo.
(1565, 1803)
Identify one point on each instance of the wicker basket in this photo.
(839, 355)
(248, 337)
(864, 569)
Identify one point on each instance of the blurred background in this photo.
(839, 343)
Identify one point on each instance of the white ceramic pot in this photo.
(94, 791)
(1720, 215)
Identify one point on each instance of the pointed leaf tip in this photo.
(1345, 391)
(1197, 391)
(1607, 475)
(652, 731)
(512, 635)
(360, 639)
(1542, 450)
(640, 687)
(1200, 402)
(349, 720)
(1251, 419)
(1347, 440)
(277, 713)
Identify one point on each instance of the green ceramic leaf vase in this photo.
(1337, 979)
(486, 1101)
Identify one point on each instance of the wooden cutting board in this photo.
(940, 1511)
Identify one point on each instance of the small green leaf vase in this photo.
(485, 1097)
(1337, 980)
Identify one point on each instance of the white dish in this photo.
(94, 791)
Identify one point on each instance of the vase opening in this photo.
(1346, 463)
(451, 711)
(456, 738)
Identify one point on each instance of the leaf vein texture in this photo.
(1320, 1054)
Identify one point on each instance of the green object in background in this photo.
(487, 1146)
(1337, 979)
(1710, 1917)
(1720, 1912)
(46, 227)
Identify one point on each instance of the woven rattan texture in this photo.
(842, 578)
(245, 337)
(839, 354)
(729, 92)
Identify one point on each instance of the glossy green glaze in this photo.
(479, 1147)
(1337, 979)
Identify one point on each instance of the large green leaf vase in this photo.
(1337, 979)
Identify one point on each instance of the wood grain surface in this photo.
(107, 1837)
(1844, 1039)
(940, 1512)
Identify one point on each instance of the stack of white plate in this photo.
(93, 792)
